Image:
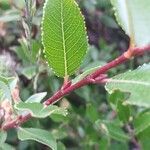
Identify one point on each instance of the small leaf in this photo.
(29, 72)
(143, 138)
(11, 15)
(23, 53)
(19, 4)
(134, 18)
(36, 45)
(116, 99)
(108, 21)
(142, 122)
(63, 35)
(8, 80)
(58, 118)
(13, 83)
(6, 146)
(91, 113)
(4, 4)
(61, 146)
(36, 98)
(104, 143)
(3, 136)
(112, 129)
(136, 83)
(6, 86)
(39, 110)
(84, 74)
(5, 91)
(38, 135)
(59, 133)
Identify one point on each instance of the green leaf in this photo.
(63, 35)
(119, 146)
(38, 135)
(61, 146)
(28, 57)
(92, 113)
(4, 4)
(134, 18)
(116, 100)
(3, 145)
(143, 138)
(145, 144)
(9, 16)
(22, 51)
(36, 98)
(59, 118)
(19, 4)
(12, 83)
(6, 146)
(108, 21)
(39, 110)
(3, 136)
(136, 83)
(36, 45)
(112, 129)
(103, 4)
(104, 143)
(29, 72)
(5, 92)
(142, 122)
(6, 86)
(59, 133)
(3, 79)
(84, 74)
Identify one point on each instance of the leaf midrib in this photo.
(63, 40)
(37, 139)
(130, 82)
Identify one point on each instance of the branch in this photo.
(101, 71)
(97, 77)
(134, 141)
(17, 122)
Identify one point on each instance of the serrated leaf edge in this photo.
(87, 38)
(33, 136)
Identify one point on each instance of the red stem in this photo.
(120, 60)
(86, 80)
(92, 78)
(15, 123)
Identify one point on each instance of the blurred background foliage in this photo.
(96, 120)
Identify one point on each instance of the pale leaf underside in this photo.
(136, 83)
(134, 18)
(38, 135)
